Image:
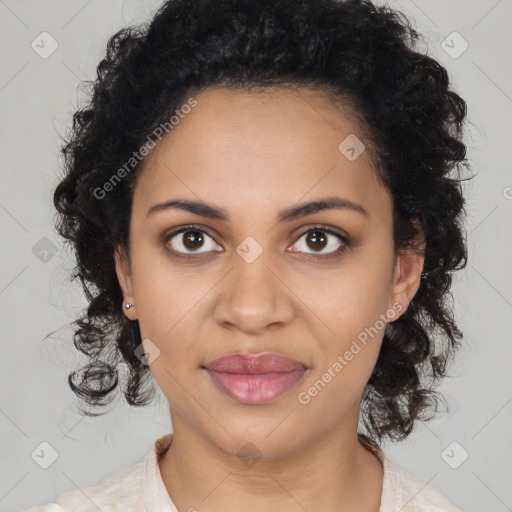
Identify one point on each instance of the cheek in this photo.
(171, 310)
(164, 293)
(352, 298)
(177, 363)
(353, 308)
(345, 361)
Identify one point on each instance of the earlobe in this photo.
(124, 277)
(408, 270)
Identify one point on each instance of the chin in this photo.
(258, 443)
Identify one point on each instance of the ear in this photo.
(125, 279)
(408, 270)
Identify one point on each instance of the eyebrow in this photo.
(286, 215)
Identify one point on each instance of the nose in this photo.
(253, 299)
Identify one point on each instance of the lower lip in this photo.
(255, 389)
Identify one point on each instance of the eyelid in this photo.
(183, 229)
(188, 227)
(346, 241)
(324, 228)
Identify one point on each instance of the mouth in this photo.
(254, 380)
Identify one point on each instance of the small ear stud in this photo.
(129, 305)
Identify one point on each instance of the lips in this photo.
(254, 365)
(254, 380)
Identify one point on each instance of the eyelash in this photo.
(317, 228)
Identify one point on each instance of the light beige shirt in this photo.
(140, 488)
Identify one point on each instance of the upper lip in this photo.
(254, 365)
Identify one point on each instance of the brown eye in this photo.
(316, 240)
(319, 238)
(191, 240)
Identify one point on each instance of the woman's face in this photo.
(260, 279)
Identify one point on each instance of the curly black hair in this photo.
(362, 54)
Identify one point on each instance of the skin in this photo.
(254, 154)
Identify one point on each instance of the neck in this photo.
(334, 472)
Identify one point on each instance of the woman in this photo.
(262, 203)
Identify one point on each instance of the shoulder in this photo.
(410, 494)
(117, 492)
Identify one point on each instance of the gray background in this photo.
(38, 97)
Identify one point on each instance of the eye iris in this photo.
(191, 238)
(317, 237)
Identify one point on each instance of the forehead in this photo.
(247, 149)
